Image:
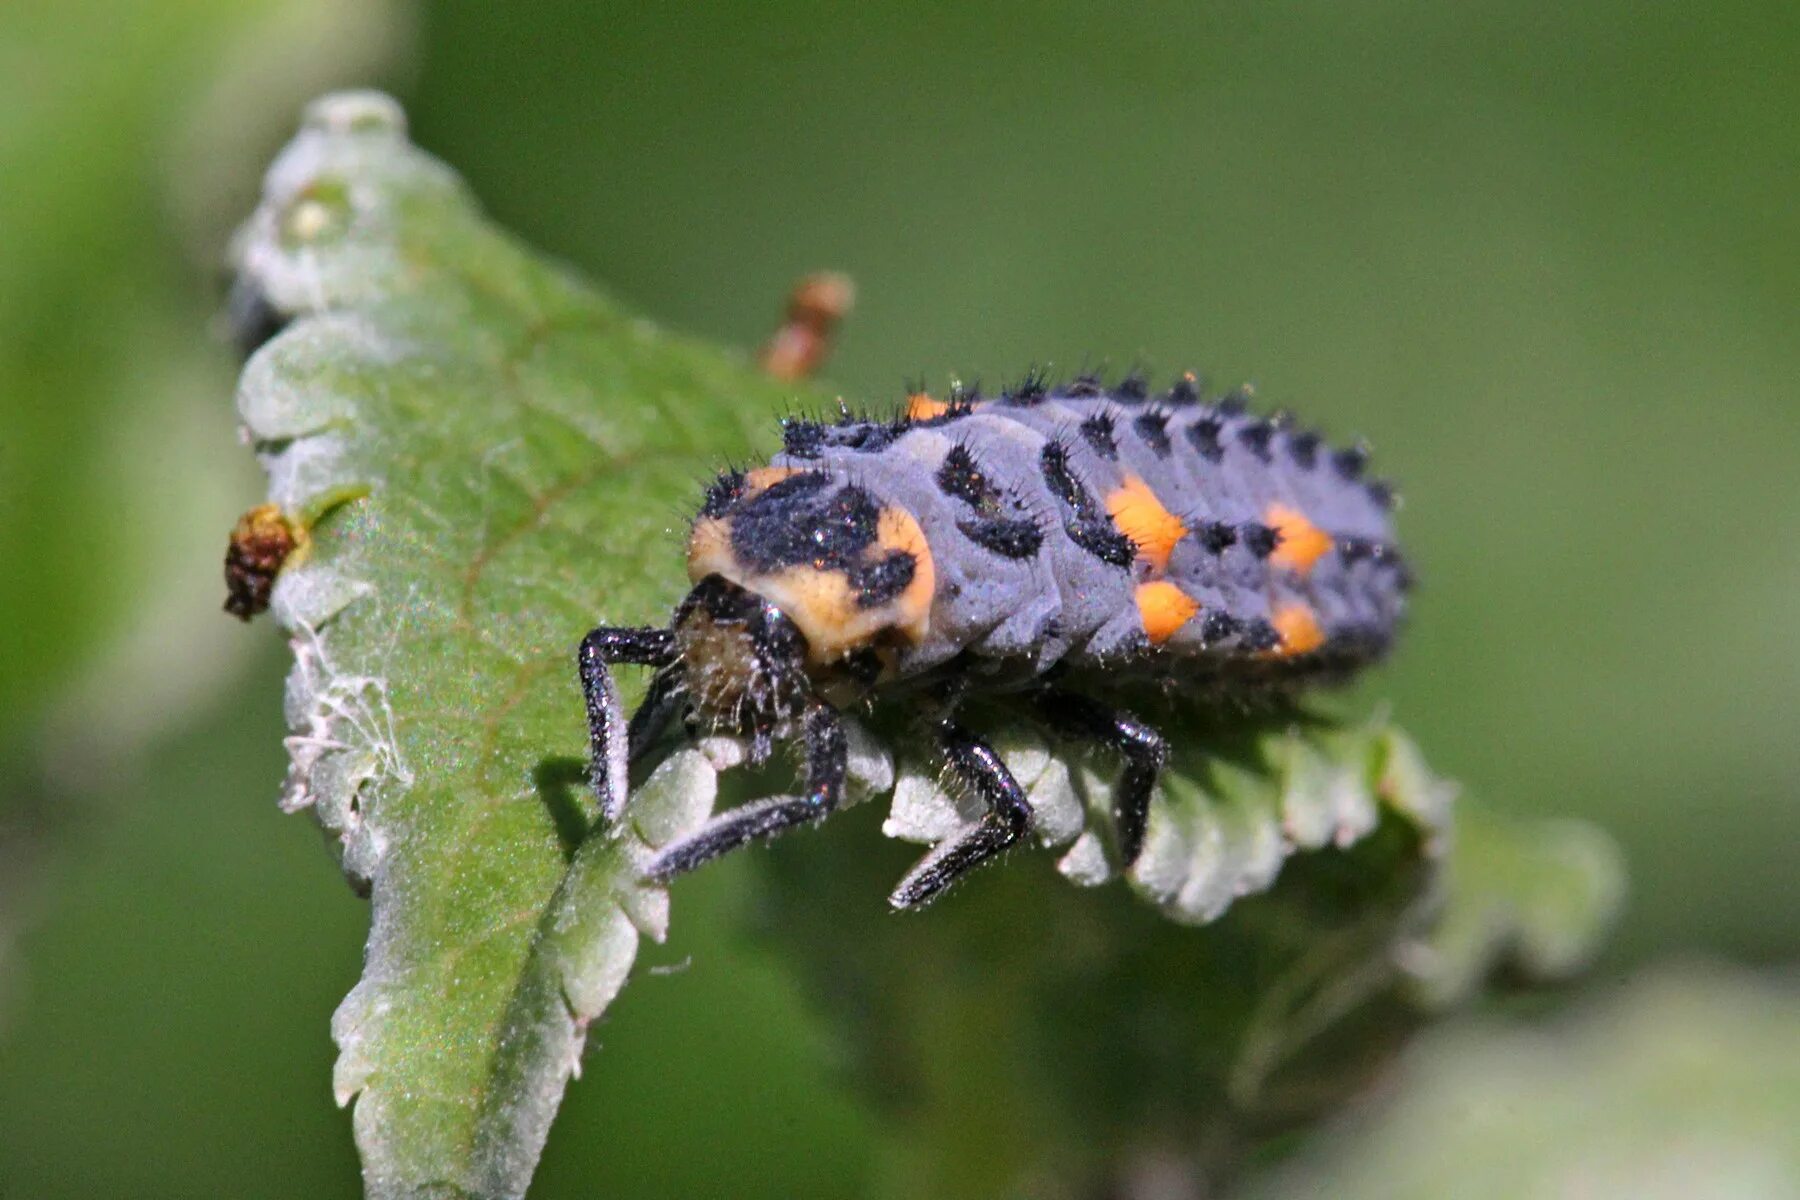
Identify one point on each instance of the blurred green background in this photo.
(1546, 257)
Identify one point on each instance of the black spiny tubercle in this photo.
(1185, 391)
(722, 493)
(1303, 448)
(1134, 388)
(1087, 525)
(1216, 536)
(1152, 428)
(959, 477)
(1256, 436)
(802, 439)
(1203, 436)
(1350, 462)
(1034, 388)
(1009, 537)
(1086, 386)
(1097, 431)
(1258, 538)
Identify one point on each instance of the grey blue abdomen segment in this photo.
(1026, 502)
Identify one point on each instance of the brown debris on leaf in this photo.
(261, 542)
(815, 306)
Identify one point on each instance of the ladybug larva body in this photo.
(1059, 549)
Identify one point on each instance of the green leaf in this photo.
(1536, 895)
(1686, 1083)
(482, 459)
(488, 459)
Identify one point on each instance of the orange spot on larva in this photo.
(764, 478)
(709, 550)
(1164, 609)
(920, 407)
(1299, 630)
(1301, 542)
(829, 613)
(1140, 516)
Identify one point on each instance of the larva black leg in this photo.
(608, 739)
(664, 698)
(826, 756)
(1008, 816)
(1144, 750)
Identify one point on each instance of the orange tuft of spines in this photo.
(1299, 630)
(764, 478)
(1140, 516)
(1164, 609)
(921, 407)
(1300, 543)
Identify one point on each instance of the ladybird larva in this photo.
(1058, 549)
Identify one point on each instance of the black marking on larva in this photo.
(1152, 428)
(879, 582)
(1256, 436)
(866, 437)
(1350, 462)
(958, 476)
(1097, 431)
(1259, 635)
(1217, 626)
(810, 439)
(800, 521)
(1083, 387)
(990, 529)
(1235, 403)
(802, 439)
(1186, 391)
(1087, 525)
(722, 493)
(1384, 555)
(1133, 389)
(1259, 539)
(1032, 389)
(1216, 536)
(1381, 492)
(1303, 448)
(1005, 537)
(1203, 436)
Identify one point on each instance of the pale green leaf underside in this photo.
(1685, 1084)
(493, 459)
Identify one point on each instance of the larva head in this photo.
(743, 660)
(854, 576)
